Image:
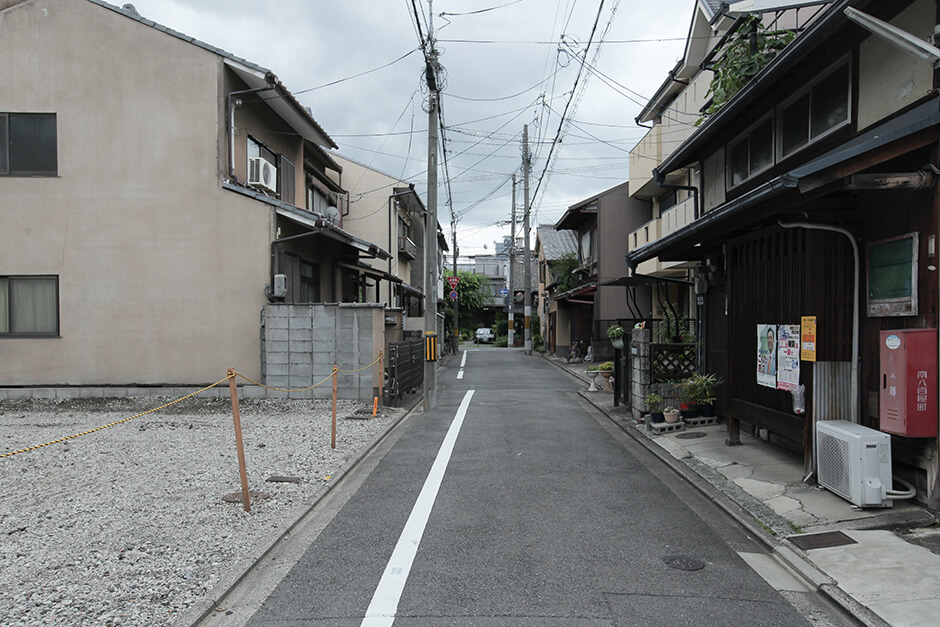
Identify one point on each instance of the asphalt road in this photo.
(546, 514)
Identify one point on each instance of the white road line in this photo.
(387, 594)
(463, 360)
(460, 374)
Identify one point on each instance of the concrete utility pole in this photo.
(453, 227)
(511, 300)
(430, 231)
(526, 165)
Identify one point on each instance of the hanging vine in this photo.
(751, 48)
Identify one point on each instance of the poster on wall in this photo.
(808, 348)
(788, 357)
(767, 355)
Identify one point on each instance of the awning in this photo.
(369, 271)
(580, 292)
(842, 161)
(313, 221)
(413, 291)
(643, 280)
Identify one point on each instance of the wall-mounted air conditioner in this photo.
(854, 462)
(262, 173)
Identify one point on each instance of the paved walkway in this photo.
(889, 575)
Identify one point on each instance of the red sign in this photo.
(453, 280)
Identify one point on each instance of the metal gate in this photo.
(405, 368)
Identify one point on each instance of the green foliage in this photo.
(607, 365)
(501, 341)
(537, 341)
(701, 389)
(615, 332)
(669, 325)
(470, 298)
(750, 49)
(654, 401)
(562, 270)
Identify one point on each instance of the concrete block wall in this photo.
(301, 343)
(642, 382)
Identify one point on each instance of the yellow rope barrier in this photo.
(364, 367)
(267, 387)
(150, 411)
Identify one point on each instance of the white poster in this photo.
(767, 355)
(788, 357)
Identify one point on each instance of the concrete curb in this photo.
(799, 564)
(200, 610)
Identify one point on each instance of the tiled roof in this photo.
(557, 244)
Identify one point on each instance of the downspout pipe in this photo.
(855, 322)
(392, 245)
(230, 118)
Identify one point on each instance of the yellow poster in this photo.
(808, 338)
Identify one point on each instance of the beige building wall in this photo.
(160, 271)
(890, 79)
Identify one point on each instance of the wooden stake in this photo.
(375, 406)
(233, 391)
(333, 437)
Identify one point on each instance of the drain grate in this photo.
(690, 435)
(683, 562)
(821, 540)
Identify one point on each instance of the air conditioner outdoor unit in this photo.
(854, 462)
(262, 173)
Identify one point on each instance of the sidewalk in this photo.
(886, 566)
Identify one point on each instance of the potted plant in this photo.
(671, 414)
(607, 371)
(654, 403)
(688, 393)
(615, 335)
(705, 387)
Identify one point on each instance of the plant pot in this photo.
(671, 416)
(707, 410)
(689, 413)
(592, 375)
(607, 374)
(617, 344)
(657, 416)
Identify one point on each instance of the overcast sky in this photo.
(506, 67)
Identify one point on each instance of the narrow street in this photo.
(546, 514)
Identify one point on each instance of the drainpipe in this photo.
(230, 118)
(391, 244)
(855, 324)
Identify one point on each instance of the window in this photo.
(751, 153)
(892, 276)
(587, 248)
(28, 144)
(309, 283)
(815, 112)
(29, 305)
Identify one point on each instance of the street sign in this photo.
(453, 294)
(504, 292)
(453, 280)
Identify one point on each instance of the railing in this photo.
(407, 247)
(405, 368)
(678, 216)
(671, 362)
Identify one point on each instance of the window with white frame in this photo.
(28, 144)
(29, 305)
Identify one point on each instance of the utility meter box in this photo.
(908, 392)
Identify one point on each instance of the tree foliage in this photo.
(471, 296)
(751, 48)
(562, 269)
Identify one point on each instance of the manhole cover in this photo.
(690, 435)
(682, 562)
(821, 540)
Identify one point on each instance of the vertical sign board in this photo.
(908, 394)
(788, 357)
(767, 355)
(808, 338)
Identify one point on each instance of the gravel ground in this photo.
(127, 526)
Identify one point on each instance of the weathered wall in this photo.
(302, 343)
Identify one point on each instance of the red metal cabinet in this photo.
(909, 382)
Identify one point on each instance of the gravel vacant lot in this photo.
(127, 526)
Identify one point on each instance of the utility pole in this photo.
(453, 227)
(511, 300)
(430, 231)
(526, 165)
